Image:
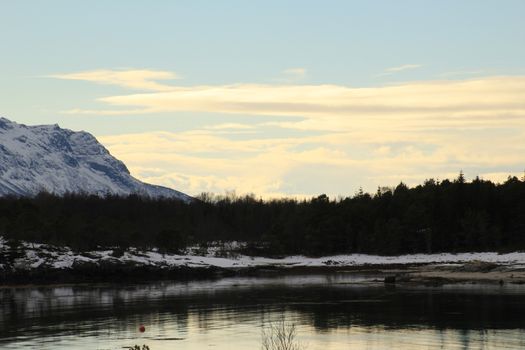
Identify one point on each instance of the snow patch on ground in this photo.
(32, 255)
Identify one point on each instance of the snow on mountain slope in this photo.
(49, 158)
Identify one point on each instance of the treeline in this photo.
(437, 216)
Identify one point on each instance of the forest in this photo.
(436, 216)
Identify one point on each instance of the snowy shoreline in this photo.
(31, 256)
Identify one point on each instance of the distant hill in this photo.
(48, 158)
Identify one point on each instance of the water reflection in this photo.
(337, 311)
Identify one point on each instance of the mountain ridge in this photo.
(48, 158)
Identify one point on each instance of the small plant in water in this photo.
(280, 336)
(137, 347)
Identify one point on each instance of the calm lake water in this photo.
(335, 311)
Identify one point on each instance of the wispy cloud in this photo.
(403, 67)
(290, 76)
(295, 72)
(230, 126)
(139, 79)
(432, 104)
(462, 73)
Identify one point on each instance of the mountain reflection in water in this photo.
(333, 311)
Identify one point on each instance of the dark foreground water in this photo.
(337, 311)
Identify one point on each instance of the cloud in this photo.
(139, 79)
(475, 103)
(290, 76)
(295, 72)
(402, 68)
(230, 126)
(462, 73)
(203, 161)
(333, 162)
(334, 140)
(394, 70)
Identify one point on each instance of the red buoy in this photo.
(142, 329)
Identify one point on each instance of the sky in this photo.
(276, 98)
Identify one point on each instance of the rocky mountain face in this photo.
(48, 158)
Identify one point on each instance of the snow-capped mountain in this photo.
(48, 158)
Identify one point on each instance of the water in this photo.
(334, 311)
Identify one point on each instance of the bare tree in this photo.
(280, 336)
